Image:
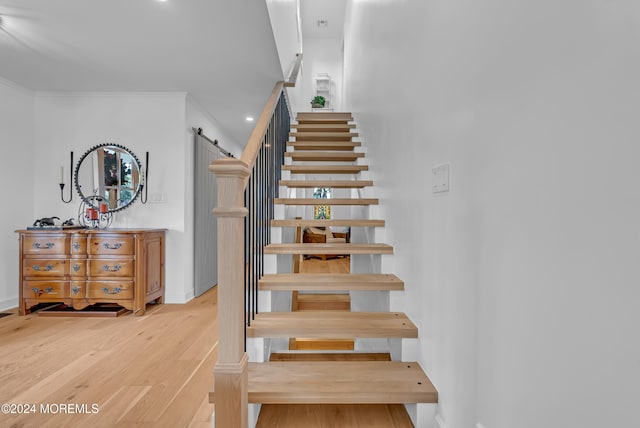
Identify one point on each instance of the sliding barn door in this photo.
(206, 236)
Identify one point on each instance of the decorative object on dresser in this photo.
(96, 218)
(82, 267)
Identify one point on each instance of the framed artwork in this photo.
(322, 212)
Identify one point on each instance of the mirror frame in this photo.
(90, 151)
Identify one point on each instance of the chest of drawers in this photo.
(82, 267)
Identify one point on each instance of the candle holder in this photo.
(62, 184)
(143, 181)
(94, 212)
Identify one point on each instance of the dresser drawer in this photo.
(78, 244)
(45, 289)
(45, 267)
(45, 244)
(112, 290)
(111, 245)
(78, 268)
(111, 267)
(78, 289)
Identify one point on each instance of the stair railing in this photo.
(246, 191)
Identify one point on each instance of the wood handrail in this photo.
(250, 151)
(293, 76)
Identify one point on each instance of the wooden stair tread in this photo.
(324, 145)
(332, 325)
(332, 201)
(330, 356)
(330, 281)
(336, 184)
(323, 117)
(327, 136)
(337, 382)
(328, 222)
(303, 344)
(323, 126)
(325, 169)
(330, 248)
(323, 302)
(324, 297)
(318, 156)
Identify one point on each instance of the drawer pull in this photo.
(46, 245)
(115, 246)
(107, 290)
(76, 246)
(38, 268)
(48, 290)
(107, 268)
(75, 289)
(76, 267)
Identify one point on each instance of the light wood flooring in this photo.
(334, 265)
(150, 371)
(153, 371)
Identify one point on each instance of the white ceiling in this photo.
(331, 11)
(220, 51)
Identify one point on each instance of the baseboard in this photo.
(179, 298)
(8, 304)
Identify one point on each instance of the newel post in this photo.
(231, 371)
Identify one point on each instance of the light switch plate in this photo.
(440, 179)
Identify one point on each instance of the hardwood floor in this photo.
(150, 371)
(153, 371)
(334, 416)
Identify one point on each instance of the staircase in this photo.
(322, 144)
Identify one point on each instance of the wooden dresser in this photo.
(81, 267)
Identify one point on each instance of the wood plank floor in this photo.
(153, 371)
(149, 371)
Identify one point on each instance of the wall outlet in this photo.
(440, 178)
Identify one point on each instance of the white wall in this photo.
(142, 122)
(44, 127)
(322, 56)
(523, 279)
(285, 23)
(16, 140)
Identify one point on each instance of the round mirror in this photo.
(111, 173)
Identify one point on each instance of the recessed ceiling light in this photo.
(249, 119)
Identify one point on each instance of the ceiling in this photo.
(330, 11)
(222, 52)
